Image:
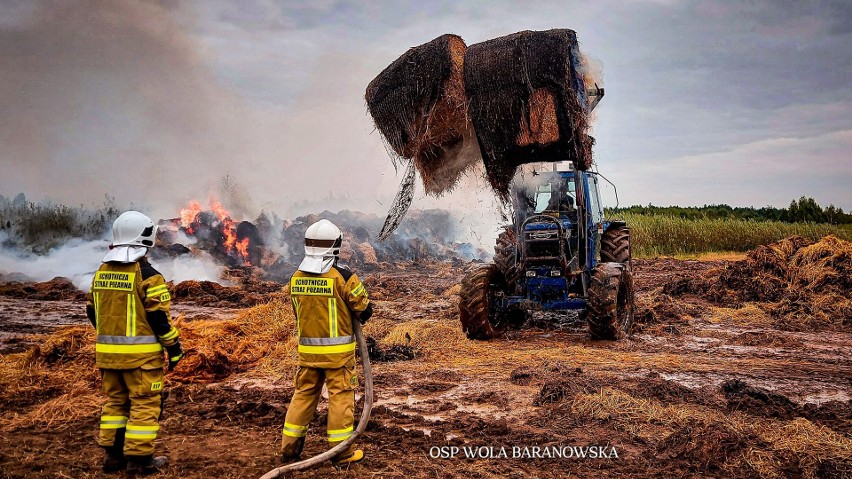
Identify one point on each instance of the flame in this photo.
(229, 227)
(187, 215)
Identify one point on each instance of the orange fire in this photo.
(187, 215)
(229, 226)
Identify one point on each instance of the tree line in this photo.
(803, 210)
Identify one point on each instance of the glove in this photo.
(363, 316)
(175, 353)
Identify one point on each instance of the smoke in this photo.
(113, 96)
(78, 260)
(118, 97)
(200, 267)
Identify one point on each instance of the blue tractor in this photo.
(559, 254)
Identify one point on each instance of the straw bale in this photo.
(541, 127)
(418, 104)
(523, 102)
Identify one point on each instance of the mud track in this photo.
(544, 385)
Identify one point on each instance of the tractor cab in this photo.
(556, 225)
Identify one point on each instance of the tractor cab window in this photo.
(595, 208)
(555, 195)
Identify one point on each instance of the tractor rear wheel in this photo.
(478, 316)
(611, 301)
(506, 256)
(615, 245)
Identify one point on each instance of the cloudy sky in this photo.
(745, 103)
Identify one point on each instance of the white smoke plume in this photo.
(78, 260)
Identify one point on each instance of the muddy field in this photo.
(707, 386)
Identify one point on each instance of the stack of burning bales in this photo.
(522, 96)
(270, 248)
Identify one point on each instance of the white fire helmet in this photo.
(322, 246)
(133, 228)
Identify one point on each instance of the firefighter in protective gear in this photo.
(129, 307)
(326, 299)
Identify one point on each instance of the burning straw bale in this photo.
(523, 102)
(418, 104)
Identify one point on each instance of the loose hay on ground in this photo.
(797, 444)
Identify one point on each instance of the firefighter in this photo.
(326, 299)
(129, 308)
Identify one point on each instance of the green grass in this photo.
(671, 236)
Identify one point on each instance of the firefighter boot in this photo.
(348, 457)
(114, 459)
(144, 465)
(292, 452)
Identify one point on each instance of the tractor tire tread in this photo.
(605, 319)
(615, 245)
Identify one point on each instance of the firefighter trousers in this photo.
(132, 411)
(341, 384)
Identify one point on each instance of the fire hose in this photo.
(362, 423)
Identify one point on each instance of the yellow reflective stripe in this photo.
(97, 321)
(141, 432)
(128, 348)
(340, 348)
(114, 418)
(332, 317)
(358, 289)
(298, 322)
(157, 290)
(134, 427)
(172, 334)
(113, 422)
(132, 300)
(106, 425)
(294, 430)
(127, 326)
(337, 435)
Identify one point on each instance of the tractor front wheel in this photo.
(478, 316)
(611, 301)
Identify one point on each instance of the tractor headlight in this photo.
(530, 273)
(555, 272)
